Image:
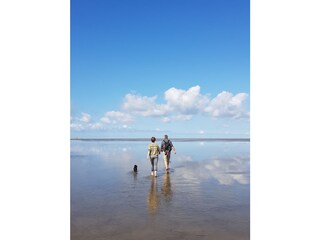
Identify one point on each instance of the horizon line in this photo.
(173, 139)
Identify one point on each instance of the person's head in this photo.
(153, 139)
(166, 136)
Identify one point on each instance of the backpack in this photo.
(167, 145)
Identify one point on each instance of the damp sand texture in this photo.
(206, 194)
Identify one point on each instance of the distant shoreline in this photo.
(173, 139)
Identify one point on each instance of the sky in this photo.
(284, 76)
(148, 68)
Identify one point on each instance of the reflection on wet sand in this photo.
(135, 174)
(206, 195)
(166, 188)
(226, 171)
(153, 198)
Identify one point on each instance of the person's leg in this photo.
(155, 166)
(152, 165)
(168, 160)
(165, 159)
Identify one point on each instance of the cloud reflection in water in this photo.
(226, 171)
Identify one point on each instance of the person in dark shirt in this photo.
(166, 147)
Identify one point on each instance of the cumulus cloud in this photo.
(82, 126)
(180, 102)
(177, 118)
(226, 104)
(181, 105)
(143, 106)
(95, 126)
(77, 126)
(106, 120)
(115, 117)
(166, 119)
(186, 101)
(85, 117)
(81, 123)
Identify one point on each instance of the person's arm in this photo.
(173, 148)
(148, 153)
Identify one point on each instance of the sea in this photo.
(205, 195)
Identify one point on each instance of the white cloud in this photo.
(186, 101)
(143, 106)
(227, 105)
(181, 105)
(105, 120)
(77, 126)
(115, 117)
(182, 117)
(85, 117)
(166, 119)
(112, 117)
(95, 126)
(177, 118)
(82, 126)
(80, 123)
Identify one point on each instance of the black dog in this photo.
(135, 168)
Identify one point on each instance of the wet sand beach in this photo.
(206, 194)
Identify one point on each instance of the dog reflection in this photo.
(153, 198)
(166, 188)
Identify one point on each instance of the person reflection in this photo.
(166, 188)
(153, 198)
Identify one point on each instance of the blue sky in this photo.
(142, 68)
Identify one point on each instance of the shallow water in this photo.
(206, 195)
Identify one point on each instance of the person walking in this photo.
(153, 153)
(166, 147)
